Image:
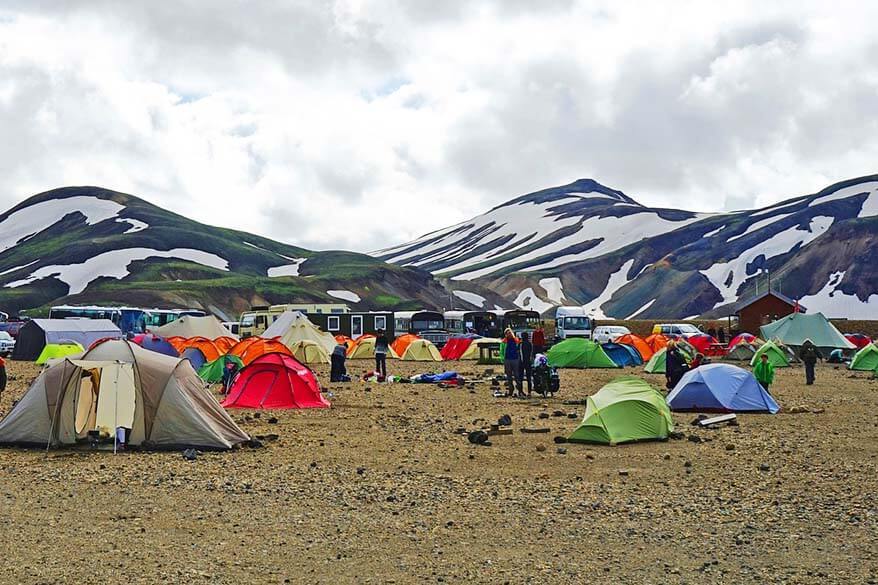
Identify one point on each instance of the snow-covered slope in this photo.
(587, 244)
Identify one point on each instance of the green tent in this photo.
(58, 350)
(579, 353)
(212, 372)
(777, 355)
(627, 409)
(794, 329)
(866, 358)
(657, 363)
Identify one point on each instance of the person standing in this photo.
(2, 376)
(721, 335)
(337, 368)
(511, 361)
(763, 371)
(382, 346)
(675, 364)
(539, 340)
(525, 369)
(809, 354)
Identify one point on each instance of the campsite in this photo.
(381, 487)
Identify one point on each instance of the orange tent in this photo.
(259, 347)
(239, 348)
(354, 343)
(344, 339)
(638, 343)
(402, 342)
(656, 341)
(225, 343)
(207, 347)
(178, 342)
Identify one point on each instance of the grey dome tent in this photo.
(37, 333)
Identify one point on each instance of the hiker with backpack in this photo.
(809, 354)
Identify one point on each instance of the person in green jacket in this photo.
(764, 371)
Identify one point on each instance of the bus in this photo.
(428, 325)
(520, 320)
(129, 319)
(155, 318)
(484, 323)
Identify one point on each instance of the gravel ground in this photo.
(382, 489)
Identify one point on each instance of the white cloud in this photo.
(364, 123)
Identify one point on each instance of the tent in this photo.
(421, 350)
(742, 351)
(577, 352)
(207, 347)
(637, 343)
(260, 347)
(627, 409)
(742, 337)
(657, 363)
(54, 351)
(195, 356)
(36, 333)
(455, 347)
(858, 339)
(622, 355)
(402, 342)
(795, 328)
(156, 344)
(190, 326)
(309, 352)
(344, 340)
(656, 341)
(866, 359)
(720, 388)
(212, 372)
(705, 344)
(292, 326)
(364, 348)
(119, 384)
(178, 342)
(778, 355)
(472, 351)
(224, 343)
(277, 381)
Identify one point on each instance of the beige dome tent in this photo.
(119, 384)
(292, 327)
(472, 352)
(421, 350)
(309, 352)
(364, 348)
(189, 326)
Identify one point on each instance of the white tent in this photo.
(189, 326)
(292, 327)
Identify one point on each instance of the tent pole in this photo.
(116, 412)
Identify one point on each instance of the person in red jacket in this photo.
(539, 340)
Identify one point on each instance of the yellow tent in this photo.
(365, 349)
(292, 327)
(472, 352)
(421, 350)
(309, 352)
(58, 350)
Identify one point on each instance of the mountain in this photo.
(587, 244)
(87, 245)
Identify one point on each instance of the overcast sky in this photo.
(360, 124)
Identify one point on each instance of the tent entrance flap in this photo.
(104, 398)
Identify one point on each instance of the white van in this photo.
(572, 322)
(608, 333)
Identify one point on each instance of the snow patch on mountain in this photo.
(528, 299)
(832, 302)
(756, 226)
(844, 193)
(344, 295)
(728, 276)
(114, 264)
(870, 206)
(286, 269)
(714, 232)
(554, 289)
(40, 216)
(617, 280)
(14, 268)
(471, 298)
(646, 305)
(136, 224)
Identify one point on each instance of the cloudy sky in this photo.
(358, 124)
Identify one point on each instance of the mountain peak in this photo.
(585, 189)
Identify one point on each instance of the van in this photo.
(608, 333)
(676, 329)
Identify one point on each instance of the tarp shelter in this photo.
(119, 384)
(189, 326)
(657, 364)
(401, 343)
(627, 409)
(720, 388)
(207, 347)
(455, 347)
(275, 381)
(309, 352)
(36, 333)
(866, 359)
(195, 356)
(156, 344)
(292, 326)
(212, 372)
(778, 355)
(472, 351)
(795, 328)
(54, 351)
(622, 355)
(656, 341)
(637, 343)
(421, 350)
(858, 339)
(577, 352)
(260, 347)
(364, 348)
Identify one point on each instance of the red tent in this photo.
(747, 337)
(858, 339)
(275, 380)
(705, 344)
(455, 347)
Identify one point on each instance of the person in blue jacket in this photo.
(511, 362)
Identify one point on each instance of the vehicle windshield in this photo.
(575, 323)
(426, 325)
(687, 329)
(248, 320)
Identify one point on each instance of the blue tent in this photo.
(720, 388)
(155, 343)
(195, 357)
(622, 355)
